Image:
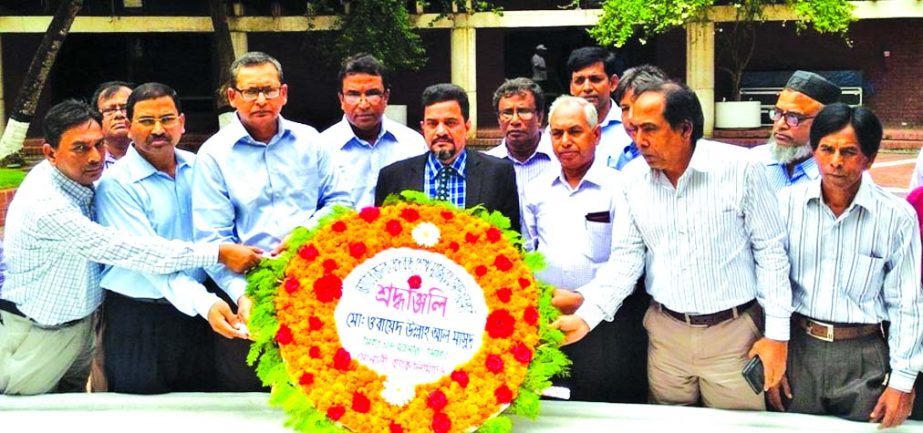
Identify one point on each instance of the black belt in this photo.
(706, 320)
(11, 308)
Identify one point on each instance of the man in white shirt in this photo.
(702, 226)
(366, 141)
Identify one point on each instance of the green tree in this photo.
(624, 19)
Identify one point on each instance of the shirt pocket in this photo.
(599, 241)
(867, 271)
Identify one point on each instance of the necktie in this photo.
(442, 182)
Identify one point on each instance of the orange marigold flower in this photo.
(504, 394)
(328, 288)
(369, 214)
(500, 324)
(494, 363)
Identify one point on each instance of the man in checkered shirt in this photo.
(53, 255)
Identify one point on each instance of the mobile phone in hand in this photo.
(753, 374)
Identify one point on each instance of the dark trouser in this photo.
(230, 364)
(610, 363)
(842, 378)
(152, 348)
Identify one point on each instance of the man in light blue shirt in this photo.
(153, 342)
(593, 73)
(787, 156)
(260, 176)
(624, 95)
(366, 141)
(520, 106)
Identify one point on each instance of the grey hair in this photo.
(589, 111)
(253, 58)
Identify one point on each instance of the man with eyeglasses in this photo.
(53, 254)
(366, 141)
(256, 180)
(593, 73)
(110, 99)
(788, 156)
(153, 341)
(520, 106)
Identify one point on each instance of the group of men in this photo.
(685, 256)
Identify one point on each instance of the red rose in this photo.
(308, 252)
(415, 282)
(471, 238)
(306, 379)
(522, 353)
(335, 412)
(504, 294)
(357, 249)
(314, 352)
(328, 288)
(314, 323)
(480, 270)
(342, 359)
(339, 226)
(436, 400)
(530, 315)
(330, 265)
(441, 422)
(503, 394)
(494, 234)
(524, 282)
(369, 214)
(454, 246)
(461, 377)
(284, 335)
(291, 285)
(393, 227)
(361, 403)
(494, 363)
(502, 263)
(395, 428)
(500, 324)
(446, 215)
(410, 214)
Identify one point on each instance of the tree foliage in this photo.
(624, 19)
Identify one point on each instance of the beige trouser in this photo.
(686, 363)
(37, 361)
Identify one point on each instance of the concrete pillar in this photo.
(700, 68)
(238, 39)
(2, 98)
(464, 65)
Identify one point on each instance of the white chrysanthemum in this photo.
(426, 234)
(398, 393)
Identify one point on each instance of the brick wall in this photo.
(6, 197)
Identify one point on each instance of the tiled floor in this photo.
(892, 171)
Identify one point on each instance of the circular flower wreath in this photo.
(324, 389)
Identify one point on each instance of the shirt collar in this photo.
(862, 199)
(351, 137)
(139, 168)
(614, 117)
(807, 167)
(237, 131)
(543, 148)
(597, 175)
(81, 194)
(459, 163)
(702, 160)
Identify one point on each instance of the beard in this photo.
(786, 154)
(445, 154)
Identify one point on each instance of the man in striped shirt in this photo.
(787, 155)
(855, 255)
(701, 224)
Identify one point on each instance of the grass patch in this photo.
(11, 178)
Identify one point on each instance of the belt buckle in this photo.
(694, 325)
(828, 330)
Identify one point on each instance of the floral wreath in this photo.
(324, 389)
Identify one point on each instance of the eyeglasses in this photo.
(165, 121)
(254, 92)
(110, 111)
(791, 119)
(372, 97)
(523, 113)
